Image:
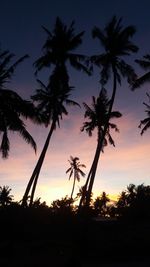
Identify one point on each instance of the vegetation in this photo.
(57, 52)
(76, 225)
(12, 108)
(75, 170)
(116, 41)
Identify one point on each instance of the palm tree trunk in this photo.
(35, 174)
(73, 186)
(85, 187)
(93, 172)
(100, 145)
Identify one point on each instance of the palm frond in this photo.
(5, 145)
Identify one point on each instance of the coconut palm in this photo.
(12, 107)
(75, 170)
(116, 42)
(57, 51)
(146, 122)
(51, 101)
(59, 46)
(5, 197)
(98, 116)
(145, 64)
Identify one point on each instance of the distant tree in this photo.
(100, 204)
(38, 204)
(58, 51)
(63, 206)
(75, 170)
(5, 197)
(13, 109)
(134, 202)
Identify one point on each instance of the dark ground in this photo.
(38, 239)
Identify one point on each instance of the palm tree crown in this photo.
(50, 99)
(5, 197)
(12, 107)
(58, 48)
(98, 115)
(116, 43)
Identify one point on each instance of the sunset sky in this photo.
(129, 161)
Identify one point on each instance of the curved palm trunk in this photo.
(35, 174)
(92, 173)
(74, 181)
(85, 187)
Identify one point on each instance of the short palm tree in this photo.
(75, 170)
(5, 196)
(116, 41)
(98, 116)
(57, 52)
(12, 107)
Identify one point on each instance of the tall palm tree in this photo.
(98, 116)
(57, 52)
(5, 196)
(116, 42)
(12, 107)
(75, 170)
(59, 46)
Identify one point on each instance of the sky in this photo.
(129, 162)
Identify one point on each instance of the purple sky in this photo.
(129, 162)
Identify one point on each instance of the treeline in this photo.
(132, 203)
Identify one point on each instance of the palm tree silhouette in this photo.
(146, 122)
(100, 204)
(145, 64)
(12, 108)
(57, 51)
(75, 170)
(5, 197)
(115, 40)
(98, 116)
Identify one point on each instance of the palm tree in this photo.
(12, 108)
(98, 116)
(146, 122)
(5, 197)
(145, 78)
(57, 51)
(115, 40)
(59, 46)
(75, 170)
(145, 64)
